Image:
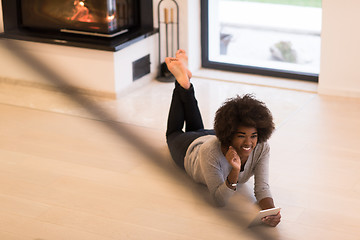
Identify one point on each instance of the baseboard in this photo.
(339, 92)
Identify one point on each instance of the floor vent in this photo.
(141, 67)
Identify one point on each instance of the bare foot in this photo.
(177, 68)
(181, 55)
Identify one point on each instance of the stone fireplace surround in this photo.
(92, 65)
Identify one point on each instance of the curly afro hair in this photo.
(243, 111)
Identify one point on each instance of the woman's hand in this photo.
(233, 158)
(272, 220)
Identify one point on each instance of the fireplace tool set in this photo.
(168, 22)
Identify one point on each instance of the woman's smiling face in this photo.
(244, 141)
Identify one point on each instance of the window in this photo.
(262, 37)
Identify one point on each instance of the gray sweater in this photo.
(205, 163)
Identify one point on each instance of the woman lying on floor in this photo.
(234, 151)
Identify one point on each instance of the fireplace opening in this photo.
(105, 18)
(99, 24)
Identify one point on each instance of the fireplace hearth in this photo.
(97, 24)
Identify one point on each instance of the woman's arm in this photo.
(214, 167)
(234, 160)
(261, 171)
(266, 203)
(262, 186)
(272, 220)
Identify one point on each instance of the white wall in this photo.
(104, 73)
(340, 48)
(124, 58)
(189, 28)
(84, 68)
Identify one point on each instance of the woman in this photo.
(231, 153)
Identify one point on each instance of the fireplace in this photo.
(99, 24)
(93, 17)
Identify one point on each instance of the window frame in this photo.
(206, 63)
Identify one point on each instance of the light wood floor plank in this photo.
(65, 174)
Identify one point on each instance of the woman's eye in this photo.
(254, 136)
(240, 136)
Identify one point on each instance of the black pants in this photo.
(183, 109)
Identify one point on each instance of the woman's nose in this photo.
(247, 140)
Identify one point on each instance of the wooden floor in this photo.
(67, 173)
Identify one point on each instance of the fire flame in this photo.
(111, 18)
(81, 12)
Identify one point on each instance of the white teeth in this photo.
(246, 148)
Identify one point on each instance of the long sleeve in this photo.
(215, 172)
(206, 164)
(261, 172)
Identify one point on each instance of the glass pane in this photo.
(272, 34)
(93, 16)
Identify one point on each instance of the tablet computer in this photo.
(264, 213)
